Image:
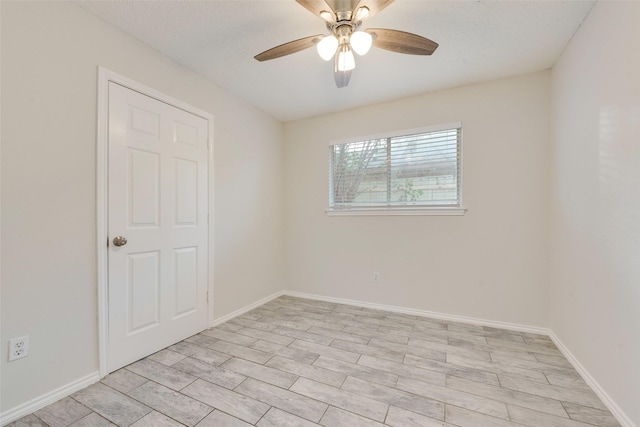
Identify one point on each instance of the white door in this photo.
(158, 202)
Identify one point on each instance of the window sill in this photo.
(397, 212)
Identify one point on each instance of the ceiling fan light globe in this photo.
(361, 42)
(327, 47)
(361, 13)
(327, 16)
(346, 61)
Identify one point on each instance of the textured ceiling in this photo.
(479, 41)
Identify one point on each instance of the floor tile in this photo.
(201, 340)
(156, 419)
(167, 357)
(228, 326)
(318, 323)
(334, 353)
(580, 397)
(231, 337)
(28, 421)
(338, 334)
(531, 348)
(266, 336)
(288, 401)
(401, 369)
(526, 400)
(342, 399)
(63, 412)
(238, 405)
(286, 352)
(466, 418)
(510, 360)
(454, 397)
(311, 372)
(392, 396)
(212, 373)
(111, 404)
(357, 371)
(497, 368)
(368, 333)
(124, 380)
(568, 382)
(553, 360)
(201, 353)
(454, 370)
(428, 353)
(241, 351)
(165, 375)
(277, 418)
(303, 336)
(248, 323)
(532, 418)
(283, 325)
(220, 419)
(475, 350)
(336, 417)
(368, 350)
(92, 420)
(591, 415)
(171, 403)
(398, 417)
(260, 372)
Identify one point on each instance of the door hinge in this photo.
(207, 296)
(107, 241)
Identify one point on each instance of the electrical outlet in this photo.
(18, 348)
(376, 277)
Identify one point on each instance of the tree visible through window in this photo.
(418, 170)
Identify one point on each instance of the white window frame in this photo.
(400, 210)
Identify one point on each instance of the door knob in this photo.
(119, 241)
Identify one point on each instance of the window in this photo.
(418, 171)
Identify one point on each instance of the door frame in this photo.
(102, 206)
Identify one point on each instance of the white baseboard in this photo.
(243, 310)
(617, 412)
(425, 313)
(48, 398)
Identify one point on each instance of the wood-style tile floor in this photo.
(298, 362)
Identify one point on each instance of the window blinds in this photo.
(413, 171)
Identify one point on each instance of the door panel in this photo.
(158, 201)
(185, 280)
(143, 188)
(143, 283)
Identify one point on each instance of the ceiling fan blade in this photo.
(315, 6)
(289, 48)
(374, 6)
(402, 42)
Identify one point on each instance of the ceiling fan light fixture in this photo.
(327, 16)
(361, 14)
(327, 47)
(361, 42)
(346, 61)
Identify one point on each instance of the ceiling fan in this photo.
(344, 19)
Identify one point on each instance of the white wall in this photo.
(490, 263)
(50, 54)
(595, 200)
